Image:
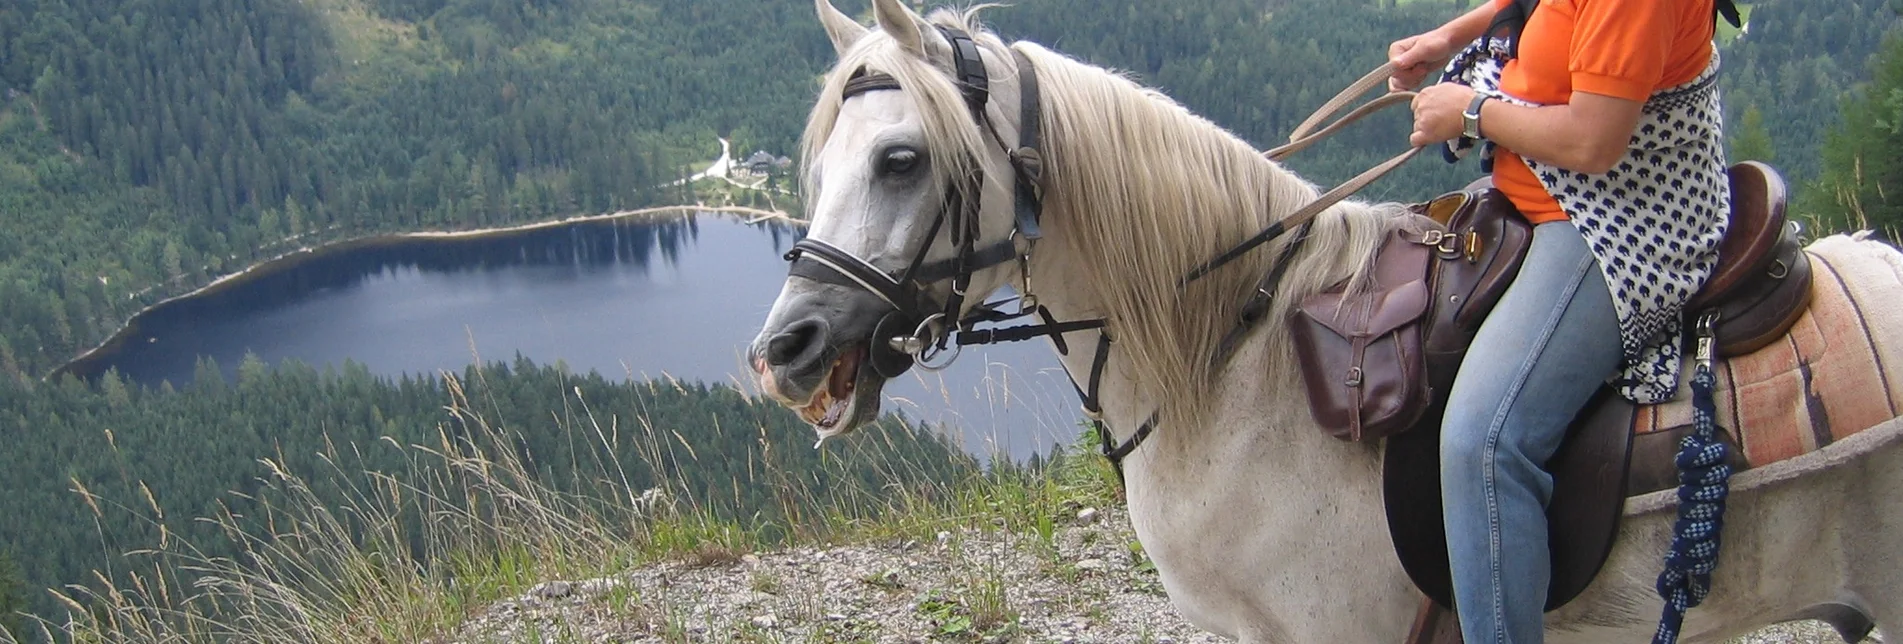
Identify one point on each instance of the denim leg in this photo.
(1541, 354)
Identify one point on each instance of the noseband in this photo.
(916, 330)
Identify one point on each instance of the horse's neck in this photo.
(1229, 508)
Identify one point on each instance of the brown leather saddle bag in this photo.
(1375, 359)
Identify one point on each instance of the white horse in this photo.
(1263, 528)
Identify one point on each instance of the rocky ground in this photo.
(1087, 582)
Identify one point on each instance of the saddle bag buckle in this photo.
(1446, 243)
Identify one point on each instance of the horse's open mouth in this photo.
(832, 403)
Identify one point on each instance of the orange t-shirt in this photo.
(1619, 48)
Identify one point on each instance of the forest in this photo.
(150, 146)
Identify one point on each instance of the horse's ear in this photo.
(902, 24)
(841, 28)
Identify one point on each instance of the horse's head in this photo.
(909, 191)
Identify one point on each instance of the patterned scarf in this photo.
(1654, 221)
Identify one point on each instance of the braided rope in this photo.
(1703, 483)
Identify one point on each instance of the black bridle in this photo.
(915, 331)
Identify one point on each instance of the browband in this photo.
(863, 81)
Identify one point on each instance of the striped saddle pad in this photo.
(1831, 377)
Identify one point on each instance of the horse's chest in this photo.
(1239, 548)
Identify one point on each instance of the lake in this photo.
(677, 298)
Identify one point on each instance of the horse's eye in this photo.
(899, 161)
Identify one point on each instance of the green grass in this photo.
(343, 571)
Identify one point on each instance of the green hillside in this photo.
(93, 473)
(147, 146)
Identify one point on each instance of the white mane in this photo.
(1144, 190)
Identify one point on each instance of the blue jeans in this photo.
(1541, 354)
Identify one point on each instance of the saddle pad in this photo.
(1824, 381)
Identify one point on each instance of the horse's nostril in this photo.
(796, 341)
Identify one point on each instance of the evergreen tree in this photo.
(1750, 141)
(1863, 156)
(13, 604)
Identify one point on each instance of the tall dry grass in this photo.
(410, 554)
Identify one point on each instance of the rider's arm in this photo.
(1414, 57)
(1616, 56)
(1588, 135)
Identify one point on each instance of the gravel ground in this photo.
(1087, 584)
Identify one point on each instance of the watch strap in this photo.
(1470, 119)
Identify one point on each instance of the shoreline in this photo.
(127, 328)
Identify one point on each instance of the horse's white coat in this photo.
(1262, 527)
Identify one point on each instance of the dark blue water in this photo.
(676, 299)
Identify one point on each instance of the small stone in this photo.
(598, 587)
(944, 539)
(748, 598)
(1087, 516)
(552, 590)
(749, 559)
(766, 621)
(835, 617)
(1093, 565)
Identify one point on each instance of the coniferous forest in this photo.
(148, 147)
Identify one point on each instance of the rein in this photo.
(1301, 139)
(1308, 133)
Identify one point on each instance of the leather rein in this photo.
(917, 331)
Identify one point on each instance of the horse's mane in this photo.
(1143, 190)
(1149, 190)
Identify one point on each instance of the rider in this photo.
(1602, 126)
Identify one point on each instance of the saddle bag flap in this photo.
(1362, 362)
(1368, 315)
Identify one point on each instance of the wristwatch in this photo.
(1470, 119)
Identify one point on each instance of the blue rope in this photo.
(1703, 483)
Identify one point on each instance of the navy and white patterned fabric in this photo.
(1654, 221)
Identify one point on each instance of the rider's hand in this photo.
(1437, 113)
(1415, 56)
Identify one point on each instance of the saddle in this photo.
(1759, 289)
